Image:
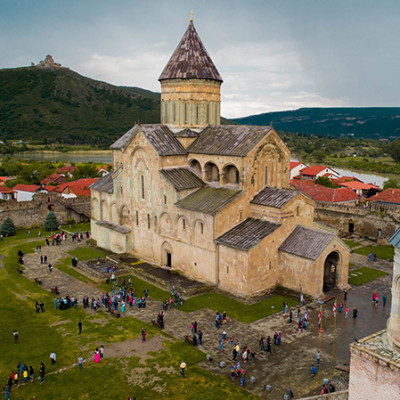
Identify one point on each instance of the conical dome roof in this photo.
(190, 60)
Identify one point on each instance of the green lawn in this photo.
(81, 227)
(66, 267)
(383, 252)
(57, 330)
(88, 253)
(215, 301)
(362, 275)
(350, 243)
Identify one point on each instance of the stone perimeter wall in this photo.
(27, 214)
(366, 221)
(342, 395)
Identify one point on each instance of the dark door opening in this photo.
(351, 227)
(330, 268)
(169, 259)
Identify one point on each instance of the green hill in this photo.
(363, 122)
(59, 105)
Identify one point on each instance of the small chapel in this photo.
(212, 201)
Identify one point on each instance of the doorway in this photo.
(169, 259)
(351, 227)
(330, 271)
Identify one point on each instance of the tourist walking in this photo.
(97, 356)
(200, 337)
(101, 351)
(80, 326)
(183, 367)
(355, 312)
(384, 300)
(16, 336)
(80, 361)
(53, 357)
(143, 335)
(41, 372)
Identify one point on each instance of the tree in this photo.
(325, 181)
(391, 183)
(8, 228)
(394, 150)
(86, 171)
(51, 223)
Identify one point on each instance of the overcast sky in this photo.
(272, 54)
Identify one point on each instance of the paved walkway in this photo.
(288, 365)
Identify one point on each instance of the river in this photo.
(105, 157)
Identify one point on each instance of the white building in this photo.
(25, 192)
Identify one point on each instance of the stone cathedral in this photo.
(209, 200)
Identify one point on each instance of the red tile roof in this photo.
(79, 187)
(355, 185)
(5, 189)
(67, 169)
(314, 170)
(387, 196)
(26, 188)
(294, 164)
(3, 179)
(324, 194)
(50, 188)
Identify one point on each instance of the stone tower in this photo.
(190, 86)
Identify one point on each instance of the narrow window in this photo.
(185, 113)
(266, 176)
(208, 113)
(174, 112)
(166, 111)
(121, 190)
(142, 184)
(155, 223)
(137, 218)
(148, 221)
(270, 265)
(297, 210)
(240, 215)
(165, 199)
(227, 270)
(201, 227)
(183, 223)
(197, 113)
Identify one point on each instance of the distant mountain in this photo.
(57, 104)
(362, 122)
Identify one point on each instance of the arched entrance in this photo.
(166, 255)
(330, 270)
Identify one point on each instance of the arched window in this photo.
(137, 218)
(142, 185)
(183, 223)
(201, 227)
(230, 175)
(148, 221)
(195, 165)
(212, 172)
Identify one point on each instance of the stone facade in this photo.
(193, 200)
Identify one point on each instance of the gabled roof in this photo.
(6, 190)
(190, 60)
(80, 187)
(160, 137)
(388, 196)
(208, 200)
(294, 164)
(315, 169)
(182, 178)
(229, 140)
(324, 194)
(66, 169)
(274, 197)
(394, 240)
(247, 234)
(188, 133)
(26, 188)
(306, 242)
(358, 185)
(104, 184)
(50, 188)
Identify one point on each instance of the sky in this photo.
(272, 55)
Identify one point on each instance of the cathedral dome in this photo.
(190, 60)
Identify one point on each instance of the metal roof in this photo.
(247, 234)
(159, 136)
(229, 140)
(394, 240)
(182, 178)
(113, 226)
(187, 133)
(306, 242)
(104, 184)
(274, 197)
(190, 60)
(208, 200)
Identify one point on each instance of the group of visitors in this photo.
(64, 303)
(372, 257)
(98, 355)
(39, 306)
(22, 374)
(375, 299)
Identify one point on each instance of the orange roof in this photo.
(64, 170)
(5, 189)
(358, 185)
(3, 179)
(26, 188)
(79, 187)
(50, 188)
(294, 164)
(387, 196)
(325, 194)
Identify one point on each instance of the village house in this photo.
(296, 167)
(7, 193)
(212, 201)
(316, 171)
(25, 192)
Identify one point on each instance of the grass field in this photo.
(114, 378)
(383, 252)
(351, 243)
(363, 275)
